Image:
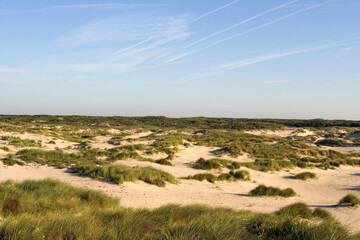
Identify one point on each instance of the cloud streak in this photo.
(239, 23)
(174, 58)
(215, 10)
(254, 60)
(102, 5)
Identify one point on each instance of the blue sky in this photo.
(179, 58)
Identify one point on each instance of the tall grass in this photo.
(263, 190)
(119, 173)
(49, 209)
(350, 199)
(305, 176)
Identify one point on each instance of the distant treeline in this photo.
(160, 121)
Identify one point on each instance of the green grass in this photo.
(11, 161)
(50, 209)
(58, 158)
(6, 149)
(231, 176)
(350, 199)
(302, 210)
(263, 190)
(214, 163)
(119, 173)
(18, 142)
(305, 176)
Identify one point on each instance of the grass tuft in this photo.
(305, 176)
(262, 190)
(350, 199)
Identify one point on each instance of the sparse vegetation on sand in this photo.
(119, 173)
(50, 209)
(350, 199)
(231, 176)
(263, 190)
(302, 210)
(305, 176)
(18, 142)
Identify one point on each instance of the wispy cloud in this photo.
(258, 59)
(182, 55)
(215, 10)
(102, 5)
(276, 81)
(239, 23)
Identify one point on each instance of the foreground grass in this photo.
(119, 173)
(263, 190)
(49, 209)
(350, 199)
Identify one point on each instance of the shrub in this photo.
(296, 210)
(163, 162)
(305, 176)
(350, 199)
(204, 176)
(262, 190)
(321, 213)
(119, 173)
(11, 161)
(242, 174)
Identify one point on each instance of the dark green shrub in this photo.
(242, 175)
(262, 190)
(350, 199)
(204, 176)
(296, 210)
(305, 176)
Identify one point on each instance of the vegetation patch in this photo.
(119, 173)
(350, 199)
(302, 210)
(49, 209)
(18, 142)
(305, 176)
(263, 190)
(231, 176)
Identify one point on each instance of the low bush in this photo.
(302, 210)
(241, 175)
(305, 176)
(204, 176)
(263, 190)
(350, 199)
(119, 173)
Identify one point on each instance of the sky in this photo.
(181, 58)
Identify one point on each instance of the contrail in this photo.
(240, 23)
(250, 30)
(132, 46)
(253, 60)
(215, 10)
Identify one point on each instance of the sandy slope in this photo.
(324, 192)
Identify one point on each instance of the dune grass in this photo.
(302, 210)
(18, 142)
(119, 173)
(231, 176)
(263, 190)
(350, 199)
(49, 209)
(305, 176)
